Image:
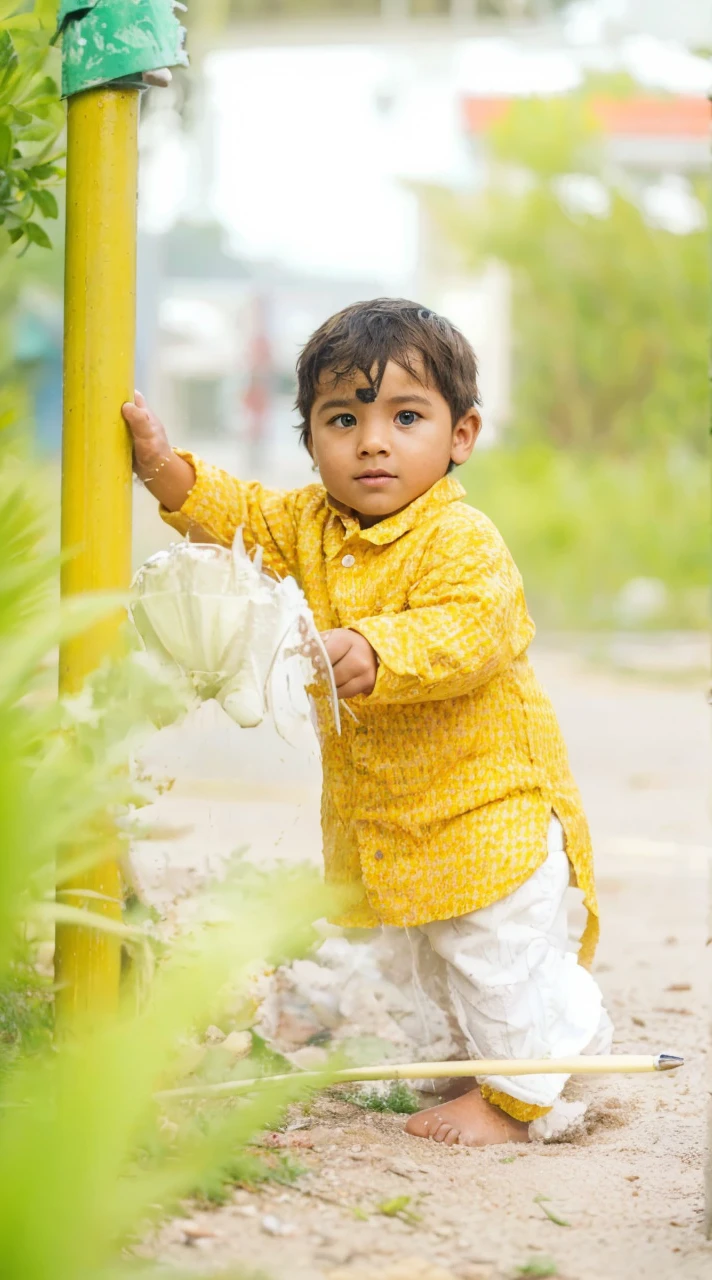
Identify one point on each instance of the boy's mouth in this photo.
(375, 479)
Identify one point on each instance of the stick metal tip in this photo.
(668, 1062)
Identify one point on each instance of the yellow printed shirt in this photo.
(437, 797)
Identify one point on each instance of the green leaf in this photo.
(553, 1217)
(5, 146)
(46, 202)
(23, 22)
(15, 234)
(47, 88)
(41, 172)
(542, 1266)
(38, 132)
(63, 913)
(37, 235)
(8, 55)
(391, 1208)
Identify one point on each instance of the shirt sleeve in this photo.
(219, 504)
(466, 621)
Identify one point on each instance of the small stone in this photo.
(193, 1231)
(246, 1210)
(213, 1035)
(281, 1141)
(169, 1127)
(238, 1044)
(274, 1226)
(310, 1058)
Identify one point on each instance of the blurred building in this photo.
(218, 343)
(643, 135)
(687, 22)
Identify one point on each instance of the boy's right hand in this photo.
(150, 442)
(169, 477)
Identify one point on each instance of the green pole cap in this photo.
(105, 40)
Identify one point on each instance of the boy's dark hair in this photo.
(366, 335)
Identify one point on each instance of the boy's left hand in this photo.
(354, 661)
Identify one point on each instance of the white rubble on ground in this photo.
(339, 994)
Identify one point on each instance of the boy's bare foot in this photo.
(470, 1121)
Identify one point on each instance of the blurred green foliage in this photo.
(610, 312)
(581, 529)
(31, 124)
(87, 1156)
(31, 121)
(600, 479)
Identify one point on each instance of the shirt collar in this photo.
(444, 491)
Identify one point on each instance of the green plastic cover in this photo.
(105, 40)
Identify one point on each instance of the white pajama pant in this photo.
(508, 981)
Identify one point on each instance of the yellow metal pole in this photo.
(100, 288)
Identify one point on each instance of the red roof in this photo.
(641, 117)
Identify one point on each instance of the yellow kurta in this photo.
(437, 802)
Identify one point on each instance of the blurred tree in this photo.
(31, 119)
(609, 309)
(31, 122)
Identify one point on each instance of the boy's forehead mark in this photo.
(348, 403)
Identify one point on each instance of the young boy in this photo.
(448, 805)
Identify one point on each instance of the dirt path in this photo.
(628, 1192)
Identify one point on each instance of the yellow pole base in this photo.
(99, 339)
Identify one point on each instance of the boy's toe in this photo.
(440, 1133)
(420, 1125)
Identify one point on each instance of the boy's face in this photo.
(377, 458)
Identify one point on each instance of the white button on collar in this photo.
(348, 561)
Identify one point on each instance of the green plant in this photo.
(31, 123)
(87, 1155)
(399, 1099)
(31, 120)
(245, 1169)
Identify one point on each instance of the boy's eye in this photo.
(344, 420)
(407, 417)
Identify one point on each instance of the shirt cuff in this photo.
(197, 508)
(402, 677)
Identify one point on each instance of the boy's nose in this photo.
(373, 441)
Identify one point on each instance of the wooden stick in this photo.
(598, 1065)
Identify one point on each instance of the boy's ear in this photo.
(464, 436)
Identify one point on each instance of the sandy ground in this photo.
(628, 1192)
